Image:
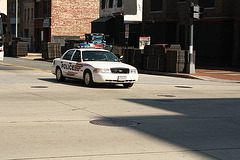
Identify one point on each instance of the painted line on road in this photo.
(25, 67)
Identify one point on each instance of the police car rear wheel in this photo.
(88, 79)
(59, 75)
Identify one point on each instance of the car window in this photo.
(77, 56)
(99, 56)
(68, 55)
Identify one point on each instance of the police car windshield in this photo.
(99, 56)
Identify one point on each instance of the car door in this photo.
(76, 61)
(66, 63)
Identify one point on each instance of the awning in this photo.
(102, 19)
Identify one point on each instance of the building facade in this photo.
(216, 36)
(57, 19)
(114, 15)
(50, 20)
(11, 17)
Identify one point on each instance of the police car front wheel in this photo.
(59, 75)
(88, 79)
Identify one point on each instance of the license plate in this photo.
(122, 78)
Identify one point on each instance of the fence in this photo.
(164, 58)
(51, 50)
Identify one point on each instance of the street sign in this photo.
(143, 41)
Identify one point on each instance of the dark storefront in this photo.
(114, 27)
(161, 32)
(214, 42)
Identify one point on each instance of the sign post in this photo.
(127, 34)
(16, 18)
(126, 31)
(191, 65)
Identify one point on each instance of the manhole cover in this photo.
(114, 122)
(39, 87)
(183, 87)
(166, 96)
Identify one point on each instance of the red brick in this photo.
(73, 17)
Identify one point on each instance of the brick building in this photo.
(28, 21)
(216, 36)
(55, 19)
(50, 20)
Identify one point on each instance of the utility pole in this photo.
(16, 18)
(191, 65)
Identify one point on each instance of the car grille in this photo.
(120, 70)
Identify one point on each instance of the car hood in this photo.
(99, 64)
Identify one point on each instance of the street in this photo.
(158, 118)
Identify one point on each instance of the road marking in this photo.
(25, 67)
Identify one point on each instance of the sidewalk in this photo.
(224, 74)
(32, 56)
(227, 75)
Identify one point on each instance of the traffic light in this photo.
(196, 12)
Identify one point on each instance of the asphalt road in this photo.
(158, 118)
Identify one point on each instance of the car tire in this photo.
(88, 80)
(127, 85)
(59, 75)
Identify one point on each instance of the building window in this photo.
(13, 8)
(206, 3)
(38, 11)
(32, 14)
(26, 33)
(25, 14)
(119, 3)
(28, 14)
(103, 4)
(47, 8)
(110, 3)
(20, 6)
(156, 5)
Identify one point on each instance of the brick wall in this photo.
(73, 17)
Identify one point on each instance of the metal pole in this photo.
(16, 18)
(191, 68)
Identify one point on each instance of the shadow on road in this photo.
(80, 83)
(210, 127)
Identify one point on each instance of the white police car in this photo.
(94, 66)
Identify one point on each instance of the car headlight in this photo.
(133, 71)
(102, 70)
